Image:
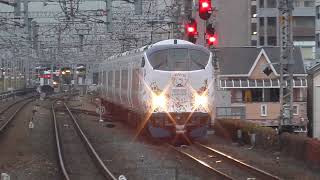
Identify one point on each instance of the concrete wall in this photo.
(253, 111)
(233, 22)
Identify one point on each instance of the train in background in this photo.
(165, 88)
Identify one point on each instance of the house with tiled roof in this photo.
(251, 78)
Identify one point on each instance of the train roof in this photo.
(163, 46)
(160, 45)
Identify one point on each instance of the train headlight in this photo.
(159, 101)
(201, 100)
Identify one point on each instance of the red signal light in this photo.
(210, 35)
(212, 39)
(190, 29)
(204, 5)
(205, 9)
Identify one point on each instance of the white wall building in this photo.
(314, 100)
(317, 28)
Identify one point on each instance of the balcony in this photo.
(259, 99)
(231, 113)
(264, 83)
(298, 11)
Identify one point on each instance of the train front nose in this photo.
(180, 125)
(180, 129)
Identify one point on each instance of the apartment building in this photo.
(255, 23)
(265, 25)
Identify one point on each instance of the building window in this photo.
(272, 21)
(296, 3)
(253, 42)
(261, 39)
(261, 3)
(252, 95)
(271, 95)
(272, 41)
(271, 3)
(254, 29)
(318, 12)
(308, 3)
(318, 40)
(295, 110)
(261, 21)
(264, 110)
(253, 11)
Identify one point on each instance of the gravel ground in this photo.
(29, 154)
(147, 159)
(273, 162)
(78, 162)
(139, 159)
(5, 102)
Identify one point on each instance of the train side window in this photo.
(143, 62)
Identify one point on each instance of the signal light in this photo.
(204, 5)
(212, 39)
(191, 30)
(210, 35)
(205, 9)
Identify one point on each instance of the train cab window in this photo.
(159, 60)
(199, 59)
(178, 59)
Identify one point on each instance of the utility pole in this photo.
(286, 63)
(26, 18)
(17, 8)
(59, 40)
(35, 38)
(81, 36)
(109, 15)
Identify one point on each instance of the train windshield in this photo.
(179, 59)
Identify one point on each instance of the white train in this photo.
(165, 88)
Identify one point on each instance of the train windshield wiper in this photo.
(159, 65)
(199, 64)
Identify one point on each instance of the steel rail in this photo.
(12, 104)
(204, 164)
(4, 125)
(262, 173)
(58, 143)
(92, 113)
(106, 172)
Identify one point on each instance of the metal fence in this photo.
(13, 93)
(238, 112)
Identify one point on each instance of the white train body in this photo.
(167, 87)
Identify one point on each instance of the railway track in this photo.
(222, 165)
(8, 113)
(77, 156)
